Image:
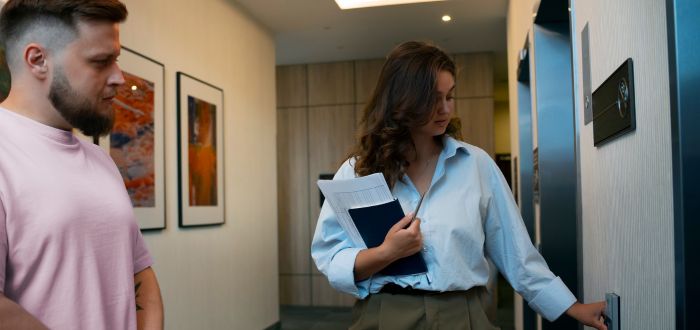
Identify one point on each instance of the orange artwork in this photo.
(202, 152)
(132, 139)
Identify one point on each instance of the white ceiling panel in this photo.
(312, 31)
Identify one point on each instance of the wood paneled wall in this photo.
(318, 108)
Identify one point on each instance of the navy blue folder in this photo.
(373, 223)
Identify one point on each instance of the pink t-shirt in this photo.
(69, 242)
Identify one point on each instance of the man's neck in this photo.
(36, 108)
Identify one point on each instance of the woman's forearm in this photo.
(370, 261)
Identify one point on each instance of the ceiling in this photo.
(314, 31)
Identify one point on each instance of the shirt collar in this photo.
(451, 145)
(449, 150)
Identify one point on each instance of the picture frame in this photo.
(200, 115)
(137, 140)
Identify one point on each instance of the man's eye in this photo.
(103, 62)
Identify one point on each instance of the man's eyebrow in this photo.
(105, 55)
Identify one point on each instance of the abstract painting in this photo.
(200, 148)
(132, 140)
(202, 152)
(136, 142)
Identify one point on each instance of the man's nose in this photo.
(116, 77)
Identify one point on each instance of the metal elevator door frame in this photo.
(525, 165)
(684, 83)
(556, 161)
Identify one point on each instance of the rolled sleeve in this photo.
(334, 254)
(341, 273)
(332, 250)
(553, 300)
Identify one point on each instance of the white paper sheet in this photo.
(343, 195)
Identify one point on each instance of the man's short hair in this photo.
(20, 17)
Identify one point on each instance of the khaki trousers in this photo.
(449, 310)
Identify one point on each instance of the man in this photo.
(71, 253)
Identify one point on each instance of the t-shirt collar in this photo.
(56, 134)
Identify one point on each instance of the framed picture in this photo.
(136, 142)
(200, 110)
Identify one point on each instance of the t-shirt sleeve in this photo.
(3, 247)
(142, 258)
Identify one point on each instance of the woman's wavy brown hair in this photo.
(404, 98)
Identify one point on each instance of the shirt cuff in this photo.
(341, 273)
(553, 300)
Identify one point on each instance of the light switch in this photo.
(612, 311)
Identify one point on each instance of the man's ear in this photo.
(36, 60)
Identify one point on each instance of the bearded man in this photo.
(71, 253)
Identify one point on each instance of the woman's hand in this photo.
(401, 241)
(588, 314)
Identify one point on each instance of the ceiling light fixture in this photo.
(446, 18)
(352, 4)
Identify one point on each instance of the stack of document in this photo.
(366, 210)
(343, 195)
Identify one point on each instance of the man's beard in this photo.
(78, 110)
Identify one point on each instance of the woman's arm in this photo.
(509, 245)
(399, 242)
(149, 304)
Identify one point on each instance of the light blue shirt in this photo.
(467, 215)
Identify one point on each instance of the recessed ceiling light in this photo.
(446, 18)
(133, 87)
(351, 4)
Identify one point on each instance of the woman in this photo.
(408, 133)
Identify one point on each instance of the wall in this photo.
(501, 128)
(626, 190)
(319, 106)
(627, 185)
(222, 277)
